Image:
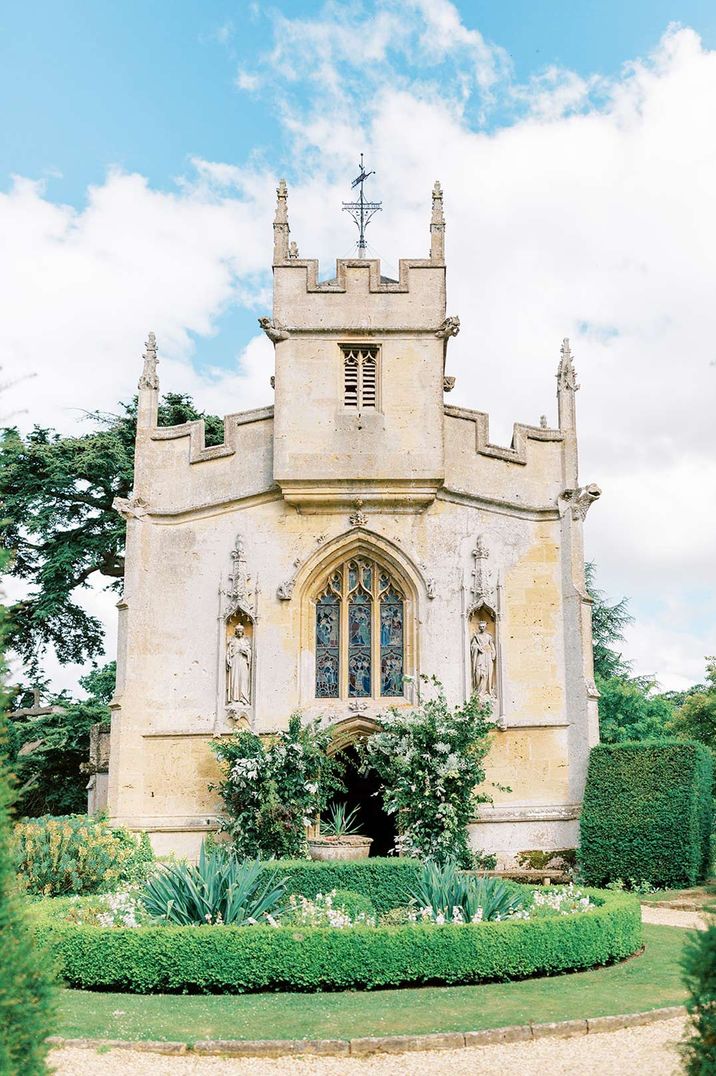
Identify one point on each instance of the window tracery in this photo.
(360, 633)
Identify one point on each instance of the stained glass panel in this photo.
(359, 639)
(391, 644)
(328, 631)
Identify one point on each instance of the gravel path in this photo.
(671, 917)
(648, 1051)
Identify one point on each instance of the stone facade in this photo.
(359, 467)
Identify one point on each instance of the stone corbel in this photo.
(448, 384)
(275, 332)
(132, 507)
(580, 500)
(450, 327)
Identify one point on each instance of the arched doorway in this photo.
(363, 792)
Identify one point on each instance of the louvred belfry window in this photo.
(360, 633)
(360, 377)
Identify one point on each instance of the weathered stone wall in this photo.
(309, 483)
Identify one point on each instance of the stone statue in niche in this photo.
(483, 655)
(238, 668)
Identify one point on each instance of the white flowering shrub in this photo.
(272, 792)
(430, 762)
(567, 900)
(324, 910)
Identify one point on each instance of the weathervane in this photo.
(362, 211)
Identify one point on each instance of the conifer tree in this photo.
(26, 989)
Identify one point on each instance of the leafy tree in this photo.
(51, 748)
(608, 625)
(629, 709)
(26, 991)
(696, 719)
(60, 528)
(699, 967)
(629, 706)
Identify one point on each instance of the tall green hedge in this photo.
(387, 881)
(647, 813)
(245, 959)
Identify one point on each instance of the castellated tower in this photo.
(359, 533)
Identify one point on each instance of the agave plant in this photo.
(341, 822)
(219, 889)
(445, 889)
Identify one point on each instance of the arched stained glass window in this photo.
(360, 633)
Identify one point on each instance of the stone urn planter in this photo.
(339, 849)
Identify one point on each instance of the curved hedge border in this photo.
(244, 959)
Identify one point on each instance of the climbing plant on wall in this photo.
(272, 791)
(430, 761)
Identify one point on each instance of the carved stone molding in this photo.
(448, 384)
(358, 518)
(284, 591)
(132, 507)
(275, 332)
(358, 705)
(548, 812)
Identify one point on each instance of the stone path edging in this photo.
(389, 1044)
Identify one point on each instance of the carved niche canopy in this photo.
(237, 595)
(484, 583)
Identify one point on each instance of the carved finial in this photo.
(280, 224)
(566, 374)
(293, 249)
(149, 378)
(543, 421)
(437, 225)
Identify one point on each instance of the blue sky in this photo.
(140, 147)
(147, 84)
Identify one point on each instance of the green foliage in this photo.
(219, 889)
(386, 882)
(696, 719)
(699, 966)
(629, 706)
(353, 903)
(608, 624)
(629, 709)
(430, 761)
(50, 749)
(26, 991)
(647, 813)
(443, 888)
(76, 854)
(235, 960)
(60, 527)
(341, 822)
(271, 792)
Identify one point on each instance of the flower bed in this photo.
(166, 959)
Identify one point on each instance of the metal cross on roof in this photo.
(362, 211)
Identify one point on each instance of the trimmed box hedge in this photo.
(647, 813)
(245, 959)
(386, 881)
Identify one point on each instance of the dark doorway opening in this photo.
(362, 791)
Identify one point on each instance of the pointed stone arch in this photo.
(358, 542)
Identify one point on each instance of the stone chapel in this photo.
(359, 532)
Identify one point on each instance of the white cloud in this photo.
(591, 215)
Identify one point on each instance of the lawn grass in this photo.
(648, 981)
